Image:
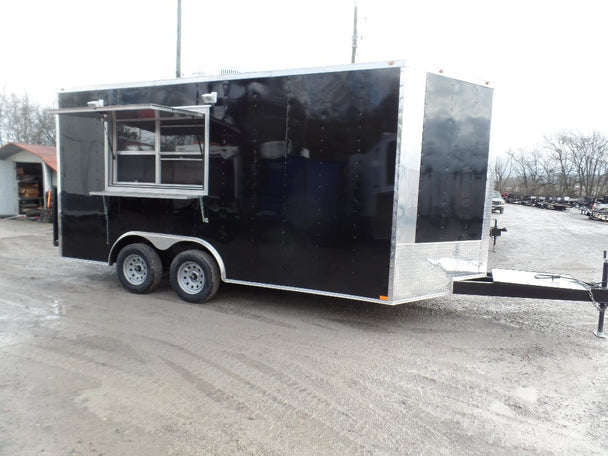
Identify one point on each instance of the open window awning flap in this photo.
(92, 111)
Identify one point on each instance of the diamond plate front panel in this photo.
(426, 270)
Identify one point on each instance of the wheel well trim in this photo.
(162, 241)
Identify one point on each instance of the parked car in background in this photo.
(598, 211)
(498, 203)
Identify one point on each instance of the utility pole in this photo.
(354, 37)
(178, 53)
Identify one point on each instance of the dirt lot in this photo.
(89, 369)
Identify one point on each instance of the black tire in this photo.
(139, 268)
(194, 276)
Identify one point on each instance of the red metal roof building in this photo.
(27, 173)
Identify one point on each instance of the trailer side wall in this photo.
(301, 179)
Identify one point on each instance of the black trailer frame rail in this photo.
(538, 285)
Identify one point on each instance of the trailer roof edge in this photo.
(244, 75)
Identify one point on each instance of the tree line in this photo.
(24, 121)
(566, 164)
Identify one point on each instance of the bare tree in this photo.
(590, 162)
(503, 167)
(527, 167)
(45, 128)
(22, 120)
(560, 148)
(549, 176)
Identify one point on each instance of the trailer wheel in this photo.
(195, 276)
(139, 268)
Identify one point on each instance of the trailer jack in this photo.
(603, 304)
(496, 232)
(600, 324)
(535, 285)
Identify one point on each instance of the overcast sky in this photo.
(546, 59)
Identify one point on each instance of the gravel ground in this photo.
(89, 369)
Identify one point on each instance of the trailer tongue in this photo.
(539, 285)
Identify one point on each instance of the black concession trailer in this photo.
(365, 181)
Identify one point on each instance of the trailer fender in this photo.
(163, 241)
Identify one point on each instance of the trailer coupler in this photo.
(535, 285)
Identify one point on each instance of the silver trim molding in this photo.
(333, 295)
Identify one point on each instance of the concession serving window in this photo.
(153, 150)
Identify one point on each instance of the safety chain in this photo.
(593, 301)
(588, 286)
